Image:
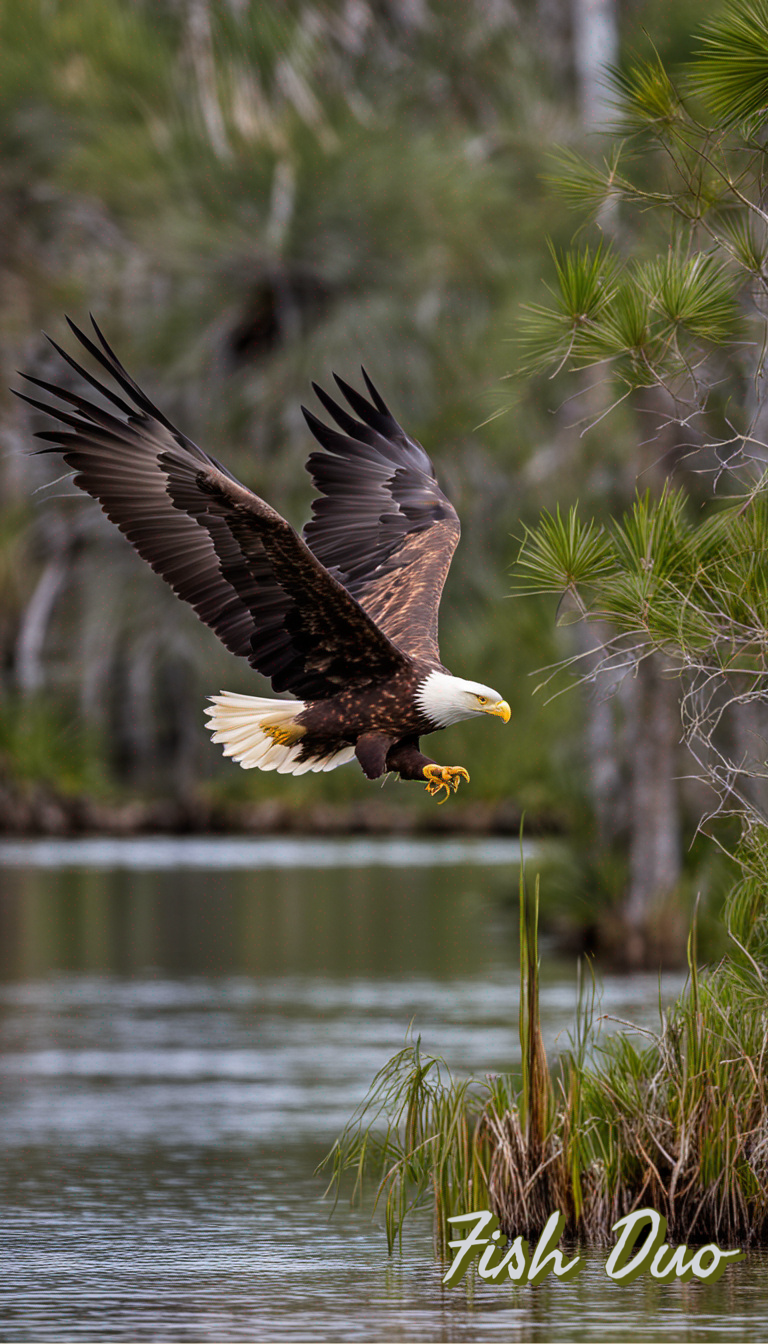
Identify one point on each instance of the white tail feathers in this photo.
(263, 734)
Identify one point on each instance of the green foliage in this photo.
(695, 293)
(647, 98)
(586, 284)
(747, 909)
(745, 239)
(689, 590)
(730, 71)
(673, 1119)
(41, 744)
(692, 282)
(562, 554)
(647, 320)
(582, 184)
(691, 1097)
(417, 1130)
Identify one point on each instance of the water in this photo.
(184, 1029)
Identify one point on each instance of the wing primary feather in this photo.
(383, 424)
(89, 378)
(333, 440)
(93, 414)
(116, 365)
(343, 419)
(376, 398)
(72, 398)
(73, 421)
(111, 363)
(58, 439)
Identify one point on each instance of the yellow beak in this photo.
(501, 710)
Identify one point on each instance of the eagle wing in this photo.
(382, 523)
(245, 571)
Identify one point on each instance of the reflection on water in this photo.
(271, 921)
(257, 855)
(179, 1047)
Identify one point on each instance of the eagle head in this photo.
(446, 699)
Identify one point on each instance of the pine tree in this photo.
(673, 317)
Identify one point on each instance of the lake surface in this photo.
(185, 1027)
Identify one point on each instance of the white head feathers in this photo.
(446, 699)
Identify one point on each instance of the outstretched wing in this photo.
(243, 568)
(382, 524)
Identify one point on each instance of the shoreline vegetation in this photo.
(41, 810)
(675, 1120)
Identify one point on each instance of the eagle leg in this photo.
(371, 751)
(446, 777)
(408, 762)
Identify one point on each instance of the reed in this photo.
(675, 1119)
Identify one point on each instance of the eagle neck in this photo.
(437, 698)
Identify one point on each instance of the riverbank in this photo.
(42, 811)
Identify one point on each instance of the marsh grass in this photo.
(675, 1119)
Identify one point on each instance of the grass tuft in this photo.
(676, 1120)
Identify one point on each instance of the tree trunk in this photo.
(603, 748)
(200, 44)
(28, 662)
(654, 857)
(595, 49)
(30, 671)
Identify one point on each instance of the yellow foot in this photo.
(444, 777)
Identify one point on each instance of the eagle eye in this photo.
(482, 699)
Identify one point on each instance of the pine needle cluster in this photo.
(677, 300)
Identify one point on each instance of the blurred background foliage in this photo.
(250, 194)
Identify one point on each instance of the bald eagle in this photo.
(344, 617)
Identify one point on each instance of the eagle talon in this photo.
(446, 777)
